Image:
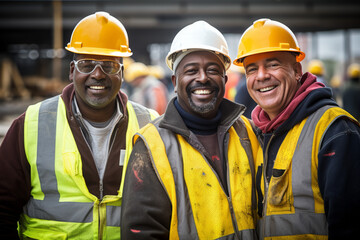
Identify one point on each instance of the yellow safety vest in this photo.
(61, 206)
(200, 207)
(293, 205)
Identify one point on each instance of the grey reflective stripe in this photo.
(46, 146)
(186, 224)
(142, 114)
(52, 209)
(113, 214)
(295, 224)
(305, 219)
(301, 161)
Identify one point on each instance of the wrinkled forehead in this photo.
(267, 56)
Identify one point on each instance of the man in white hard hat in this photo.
(190, 175)
(62, 161)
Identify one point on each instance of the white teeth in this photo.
(266, 89)
(202, 92)
(97, 87)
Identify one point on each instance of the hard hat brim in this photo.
(99, 51)
(239, 61)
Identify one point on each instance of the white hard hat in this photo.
(199, 36)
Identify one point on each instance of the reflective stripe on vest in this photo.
(297, 209)
(183, 226)
(46, 201)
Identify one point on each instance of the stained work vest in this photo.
(293, 205)
(60, 206)
(201, 209)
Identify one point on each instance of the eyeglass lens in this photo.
(88, 66)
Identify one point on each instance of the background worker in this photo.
(146, 89)
(190, 172)
(62, 160)
(317, 68)
(351, 94)
(308, 180)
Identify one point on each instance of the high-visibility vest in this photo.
(61, 206)
(293, 205)
(201, 209)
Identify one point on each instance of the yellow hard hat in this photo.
(135, 70)
(266, 35)
(157, 71)
(100, 34)
(353, 70)
(316, 67)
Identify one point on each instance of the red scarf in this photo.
(262, 120)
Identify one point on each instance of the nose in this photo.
(202, 76)
(262, 73)
(98, 73)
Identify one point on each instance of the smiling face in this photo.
(272, 80)
(97, 90)
(200, 83)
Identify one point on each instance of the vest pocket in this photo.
(278, 196)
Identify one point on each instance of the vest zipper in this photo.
(266, 183)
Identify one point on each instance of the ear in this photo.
(71, 73)
(226, 78)
(298, 70)
(174, 82)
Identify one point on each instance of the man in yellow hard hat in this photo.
(62, 161)
(351, 94)
(308, 173)
(190, 173)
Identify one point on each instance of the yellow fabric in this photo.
(208, 201)
(31, 118)
(70, 181)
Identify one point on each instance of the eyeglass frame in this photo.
(98, 64)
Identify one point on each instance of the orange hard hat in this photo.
(100, 34)
(266, 35)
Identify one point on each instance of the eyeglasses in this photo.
(87, 66)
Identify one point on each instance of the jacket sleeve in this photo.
(339, 178)
(14, 179)
(146, 208)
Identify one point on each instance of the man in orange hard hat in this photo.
(308, 174)
(62, 161)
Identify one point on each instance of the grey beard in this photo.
(203, 108)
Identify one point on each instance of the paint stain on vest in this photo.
(138, 166)
(278, 190)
